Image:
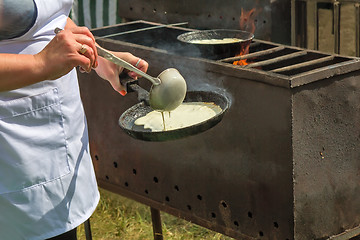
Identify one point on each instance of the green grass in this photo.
(119, 218)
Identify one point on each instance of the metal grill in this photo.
(283, 162)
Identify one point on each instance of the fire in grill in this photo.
(282, 163)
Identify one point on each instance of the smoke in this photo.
(195, 70)
(200, 76)
(210, 85)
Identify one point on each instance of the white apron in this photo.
(47, 181)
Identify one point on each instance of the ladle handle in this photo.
(132, 86)
(111, 57)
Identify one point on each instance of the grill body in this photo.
(282, 164)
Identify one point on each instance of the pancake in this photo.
(216, 41)
(187, 114)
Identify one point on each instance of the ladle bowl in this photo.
(170, 93)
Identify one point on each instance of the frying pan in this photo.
(127, 119)
(217, 50)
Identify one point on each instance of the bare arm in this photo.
(58, 58)
(19, 70)
(107, 70)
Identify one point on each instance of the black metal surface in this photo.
(282, 164)
(268, 20)
(235, 178)
(224, 50)
(156, 221)
(127, 119)
(87, 228)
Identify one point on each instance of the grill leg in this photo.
(87, 230)
(156, 222)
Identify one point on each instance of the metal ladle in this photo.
(168, 90)
(112, 58)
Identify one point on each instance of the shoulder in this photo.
(16, 17)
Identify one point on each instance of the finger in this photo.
(81, 60)
(83, 31)
(123, 92)
(84, 59)
(81, 70)
(84, 63)
(88, 52)
(133, 75)
(141, 65)
(115, 83)
(83, 49)
(90, 44)
(138, 62)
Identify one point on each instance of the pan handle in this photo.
(133, 86)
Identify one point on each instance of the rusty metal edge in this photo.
(173, 211)
(325, 73)
(352, 64)
(348, 234)
(145, 22)
(211, 66)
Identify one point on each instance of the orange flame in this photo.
(247, 20)
(242, 62)
(243, 51)
(247, 23)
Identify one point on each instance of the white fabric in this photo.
(112, 12)
(100, 12)
(47, 181)
(87, 17)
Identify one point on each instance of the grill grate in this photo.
(296, 65)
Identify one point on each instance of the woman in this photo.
(47, 181)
